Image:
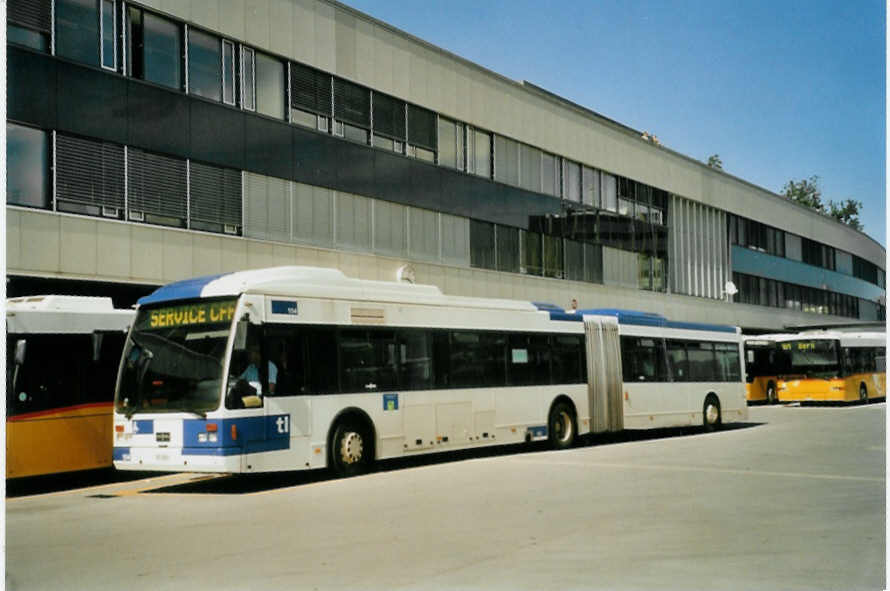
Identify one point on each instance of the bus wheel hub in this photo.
(712, 414)
(351, 448)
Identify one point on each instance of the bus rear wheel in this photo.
(863, 394)
(561, 426)
(711, 419)
(771, 396)
(351, 448)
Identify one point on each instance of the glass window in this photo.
(728, 363)
(26, 37)
(415, 358)
(591, 194)
(643, 360)
(550, 174)
(162, 51)
(205, 62)
(368, 360)
(109, 34)
(793, 247)
(447, 143)
(609, 192)
(27, 167)
(625, 207)
(477, 359)
(356, 134)
(531, 260)
(702, 363)
(228, 72)
(568, 359)
(270, 86)
(155, 48)
(480, 156)
(507, 248)
(77, 30)
(506, 156)
(482, 245)
(248, 80)
(572, 171)
(530, 168)
(676, 351)
(529, 360)
(553, 259)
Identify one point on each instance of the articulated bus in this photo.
(63, 354)
(764, 363)
(833, 366)
(293, 368)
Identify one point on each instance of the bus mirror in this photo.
(97, 346)
(241, 335)
(20, 346)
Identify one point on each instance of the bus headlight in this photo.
(202, 437)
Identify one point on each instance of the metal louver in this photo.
(389, 117)
(421, 127)
(310, 89)
(89, 172)
(33, 14)
(352, 103)
(215, 194)
(156, 184)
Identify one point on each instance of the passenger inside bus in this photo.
(251, 373)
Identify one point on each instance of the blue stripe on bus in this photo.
(120, 454)
(179, 290)
(144, 427)
(254, 435)
(633, 317)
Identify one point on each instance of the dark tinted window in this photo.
(477, 359)
(482, 247)
(415, 359)
(702, 363)
(27, 165)
(368, 360)
(643, 359)
(205, 65)
(728, 364)
(676, 352)
(569, 366)
(77, 30)
(529, 359)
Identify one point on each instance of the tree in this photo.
(846, 212)
(807, 192)
(715, 162)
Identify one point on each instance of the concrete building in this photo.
(157, 140)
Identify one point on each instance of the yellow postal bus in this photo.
(62, 358)
(831, 366)
(764, 363)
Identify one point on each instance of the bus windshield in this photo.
(173, 360)
(813, 358)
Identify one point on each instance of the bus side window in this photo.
(677, 357)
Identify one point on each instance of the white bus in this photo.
(294, 368)
(63, 354)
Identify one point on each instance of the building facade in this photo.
(157, 140)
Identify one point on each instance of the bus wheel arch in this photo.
(711, 414)
(351, 442)
(562, 423)
(863, 392)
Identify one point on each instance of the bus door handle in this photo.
(371, 386)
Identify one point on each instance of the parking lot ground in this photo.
(795, 499)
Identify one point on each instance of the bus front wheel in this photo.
(711, 419)
(351, 448)
(561, 426)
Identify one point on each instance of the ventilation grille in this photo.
(352, 103)
(421, 127)
(34, 14)
(310, 89)
(389, 117)
(367, 316)
(89, 172)
(215, 194)
(156, 184)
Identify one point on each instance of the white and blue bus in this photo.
(293, 368)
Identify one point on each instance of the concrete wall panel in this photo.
(79, 253)
(41, 237)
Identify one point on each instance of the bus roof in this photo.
(317, 282)
(847, 339)
(60, 314)
(634, 317)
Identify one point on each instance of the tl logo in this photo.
(283, 424)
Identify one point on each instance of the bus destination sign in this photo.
(188, 315)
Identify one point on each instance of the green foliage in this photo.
(807, 192)
(715, 162)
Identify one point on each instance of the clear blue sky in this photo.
(779, 89)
